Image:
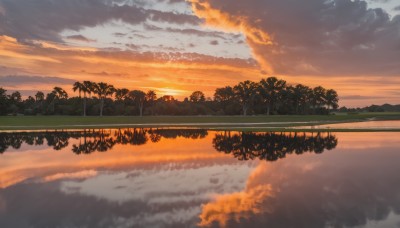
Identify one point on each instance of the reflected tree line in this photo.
(272, 146)
(95, 140)
(242, 145)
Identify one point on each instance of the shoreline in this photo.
(241, 123)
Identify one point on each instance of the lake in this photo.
(199, 178)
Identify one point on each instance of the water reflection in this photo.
(95, 140)
(242, 145)
(195, 178)
(272, 146)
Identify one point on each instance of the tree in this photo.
(87, 88)
(80, 87)
(39, 96)
(167, 98)
(15, 97)
(197, 96)
(224, 98)
(332, 99)
(151, 98)
(121, 94)
(103, 90)
(318, 97)
(3, 101)
(245, 92)
(15, 102)
(300, 95)
(57, 94)
(60, 93)
(138, 97)
(270, 89)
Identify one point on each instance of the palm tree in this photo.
(103, 90)
(57, 94)
(270, 89)
(88, 88)
(80, 87)
(60, 93)
(121, 94)
(245, 92)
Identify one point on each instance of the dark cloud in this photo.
(15, 80)
(152, 27)
(189, 31)
(214, 42)
(335, 37)
(133, 47)
(45, 19)
(80, 38)
(397, 8)
(197, 32)
(119, 34)
(359, 97)
(172, 17)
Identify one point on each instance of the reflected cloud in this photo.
(176, 178)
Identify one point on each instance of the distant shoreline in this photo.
(241, 123)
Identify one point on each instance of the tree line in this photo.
(270, 96)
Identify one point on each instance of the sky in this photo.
(176, 47)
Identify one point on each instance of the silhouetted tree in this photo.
(197, 96)
(139, 98)
(245, 92)
(3, 101)
(270, 90)
(103, 90)
(332, 99)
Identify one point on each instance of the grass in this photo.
(258, 123)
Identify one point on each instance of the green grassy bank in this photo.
(237, 122)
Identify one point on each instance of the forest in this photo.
(270, 96)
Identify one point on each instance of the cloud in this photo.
(28, 20)
(119, 34)
(359, 97)
(397, 8)
(197, 32)
(80, 38)
(73, 14)
(214, 42)
(15, 80)
(335, 37)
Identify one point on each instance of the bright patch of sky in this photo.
(162, 36)
(388, 5)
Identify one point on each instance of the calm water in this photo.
(195, 178)
(387, 124)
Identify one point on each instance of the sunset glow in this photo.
(177, 47)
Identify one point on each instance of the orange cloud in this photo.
(239, 205)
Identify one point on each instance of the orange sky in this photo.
(177, 47)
